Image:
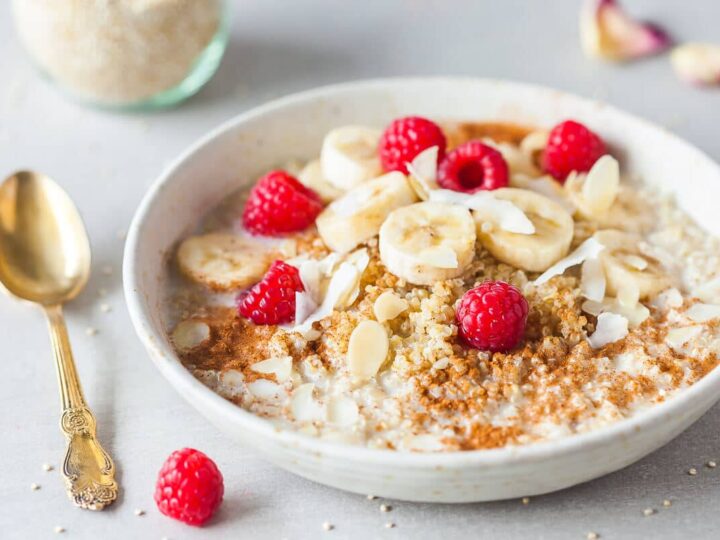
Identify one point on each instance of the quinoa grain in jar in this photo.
(125, 53)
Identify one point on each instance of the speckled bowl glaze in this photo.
(293, 127)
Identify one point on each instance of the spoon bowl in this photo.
(44, 250)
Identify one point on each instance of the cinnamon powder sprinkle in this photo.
(432, 392)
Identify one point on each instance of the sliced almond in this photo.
(389, 305)
(280, 367)
(600, 187)
(189, 334)
(534, 142)
(367, 349)
(302, 405)
(265, 390)
(342, 411)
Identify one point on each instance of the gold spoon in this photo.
(45, 259)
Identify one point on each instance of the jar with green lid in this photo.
(135, 54)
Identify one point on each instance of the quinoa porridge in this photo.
(462, 287)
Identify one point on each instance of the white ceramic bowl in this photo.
(238, 151)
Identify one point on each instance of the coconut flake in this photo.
(703, 312)
(635, 314)
(280, 367)
(592, 280)
(504, 213)
(340, 288)
(669, 298)
(610, 328)
(589, 249)
(423, 172)
(313, 274)
(634, 261)
(677, 337)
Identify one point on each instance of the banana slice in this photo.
(627, 269)
(532, 252)
(311, 175)
(224, 261)
(358, 215)
(427, 242)
(349, 156)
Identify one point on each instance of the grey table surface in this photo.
(107, 161)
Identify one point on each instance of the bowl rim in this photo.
(194, 391)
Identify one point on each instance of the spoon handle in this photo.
(88, 470)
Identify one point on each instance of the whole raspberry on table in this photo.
(492, 316)
(571, 147)
(272, 300)
(189, 487)
(472, 167)
(405, 138)
(280, 204)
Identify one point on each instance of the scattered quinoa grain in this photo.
(526, 500)
(139, 512)
(648, 512)
(59, 529)
(711, 464)
(692, 471)
(327, 526)
(667, 503)
(47, 467)
(385, 507)
(389, 525)
(371, 497)
(105, 308)
(91, 331)
(34, 486)
(592, 536)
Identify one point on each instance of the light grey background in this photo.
(107, 161)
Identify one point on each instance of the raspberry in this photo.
(571, 147)
(272, 300)
(189, 487)
(280, 204)
(405, 138)
(492, 316)
(471, 167)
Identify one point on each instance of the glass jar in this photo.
(130, 54)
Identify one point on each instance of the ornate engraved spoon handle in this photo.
(88, 470)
